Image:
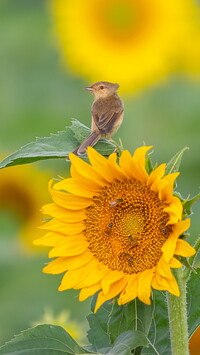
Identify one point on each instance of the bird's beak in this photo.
(89, 88)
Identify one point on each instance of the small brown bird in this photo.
(107, 113)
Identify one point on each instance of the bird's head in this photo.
(102, 89)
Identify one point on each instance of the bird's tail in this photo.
(91, 140)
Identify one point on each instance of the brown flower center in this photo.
(126, 226)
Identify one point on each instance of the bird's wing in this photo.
(106, 121)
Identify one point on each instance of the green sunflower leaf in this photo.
(98, 322)
(158, 337)
(174, 163)
(193, 304)
(81, 132)
(97, 336)
(134, 315)
(128, 341)
(55, 146)
(111, 320)
(44, 339)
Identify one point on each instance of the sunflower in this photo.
(23, 202)
(115, 228)
(135, 43)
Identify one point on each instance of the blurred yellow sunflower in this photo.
(63, 319)
(133, 42)
(22, 193)
(115, 228)
(190, 47)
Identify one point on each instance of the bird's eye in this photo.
(101, 87)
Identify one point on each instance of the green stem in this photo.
(177, 313)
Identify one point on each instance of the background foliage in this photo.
(39, 97)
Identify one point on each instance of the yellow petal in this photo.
(175, 210)
(86, 183)
(158, 185)
(117, 287)
(55, 225)
(115, 169)
(144, 285)
(162, 283)
(159, 282)
(72, 278)
(109, 279)
(73, 245)
(138, 173)
(62, 264)
(140, 153)
(170, 244)
(50, 239)
(184, 249)
(173, 287)
(172, 217)
(167, 190)
(73, 187)
(69, 201)
(169, 247)
(94, 275)
(174, 263)
(130, 292)
(125, 163)
(85, 276)
(86, 170)
(100, 164)
(163, 268)
(88, 291)
(63, 214)
(138, 164)
(156, 174)
(176, 206)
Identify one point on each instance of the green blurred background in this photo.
(38, 96)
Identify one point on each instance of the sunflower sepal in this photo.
(186, 263)
(184, 235)
(149, 164)
(175, 162)
(118, 147)
(193, 261)
(188, 203)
